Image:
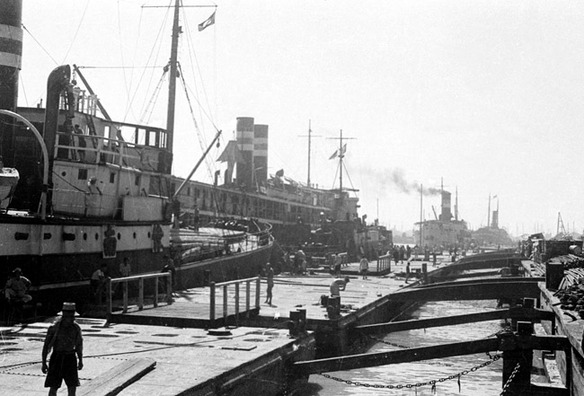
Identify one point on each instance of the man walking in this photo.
(270, 282)
(66, 341)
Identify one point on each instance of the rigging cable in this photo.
(76, 32)
(199, 135)
(145, 117)
(148, 61)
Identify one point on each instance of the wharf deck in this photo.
(291, 292)
(184, 359)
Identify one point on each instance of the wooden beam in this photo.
(485, 289)
(117, 378)
(511, 342)
(400, 356)
(518, 313)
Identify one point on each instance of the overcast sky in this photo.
(487, 95)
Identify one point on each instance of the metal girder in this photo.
(425, 353)
(484, 289)
(519, 313)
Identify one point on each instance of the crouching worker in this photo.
(66, 341)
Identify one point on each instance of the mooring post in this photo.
(212, 304)
(425, 272)
(513, 356)
(554, 273)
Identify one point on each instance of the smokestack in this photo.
(260, 154)
(10, 65)
(446, 214)
(245, 135)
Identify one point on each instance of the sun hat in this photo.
(68, 307)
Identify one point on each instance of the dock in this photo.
(237, 344)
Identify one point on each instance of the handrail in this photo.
(236, 283)
(140, 279)
(384, 263)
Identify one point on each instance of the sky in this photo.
(485, 98)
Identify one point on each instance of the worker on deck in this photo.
(338, 285)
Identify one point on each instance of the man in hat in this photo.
(66, 341)
(17, 287)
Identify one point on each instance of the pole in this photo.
(173, 76)
(421, 213)
(309, 143)
(489, 213)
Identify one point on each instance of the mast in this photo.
(489, 213)
(421, 213)
(341, 156)
(309, 141)
(309, 136)
(176, 30)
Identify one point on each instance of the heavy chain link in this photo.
(510, 379)
(419, 384)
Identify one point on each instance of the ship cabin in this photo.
(98, 168)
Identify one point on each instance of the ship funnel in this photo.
(446, 214)
(244, 131)
(10, 64)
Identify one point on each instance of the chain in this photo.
(510, 379)
(387, 342)
(420, 384)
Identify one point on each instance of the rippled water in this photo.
(484, 381)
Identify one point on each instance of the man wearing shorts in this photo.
(66, 341)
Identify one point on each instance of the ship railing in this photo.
(234, 287)
(384, 263)
(160, 279)
(99, 149)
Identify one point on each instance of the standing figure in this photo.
(81, 142)
(125, 268)
(66, 341)
(17, 287)
(97, 283)
(270, 282)
(364, 267)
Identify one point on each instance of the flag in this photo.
(208, 22)
(339, 152)
(280, 173)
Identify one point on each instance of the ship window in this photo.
(96, 236)
(112, 177)
(134, 235)
(84, 236)
(82, 175)
(119, 236)
(148, 234)
(138, 177)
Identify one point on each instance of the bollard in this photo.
(425, 272)
(554, 272)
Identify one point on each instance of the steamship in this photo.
(78, 190)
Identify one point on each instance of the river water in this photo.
(483, 381)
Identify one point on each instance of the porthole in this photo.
(63, 173)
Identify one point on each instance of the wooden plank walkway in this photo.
(191, 308)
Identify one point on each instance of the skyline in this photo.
(487, 97)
